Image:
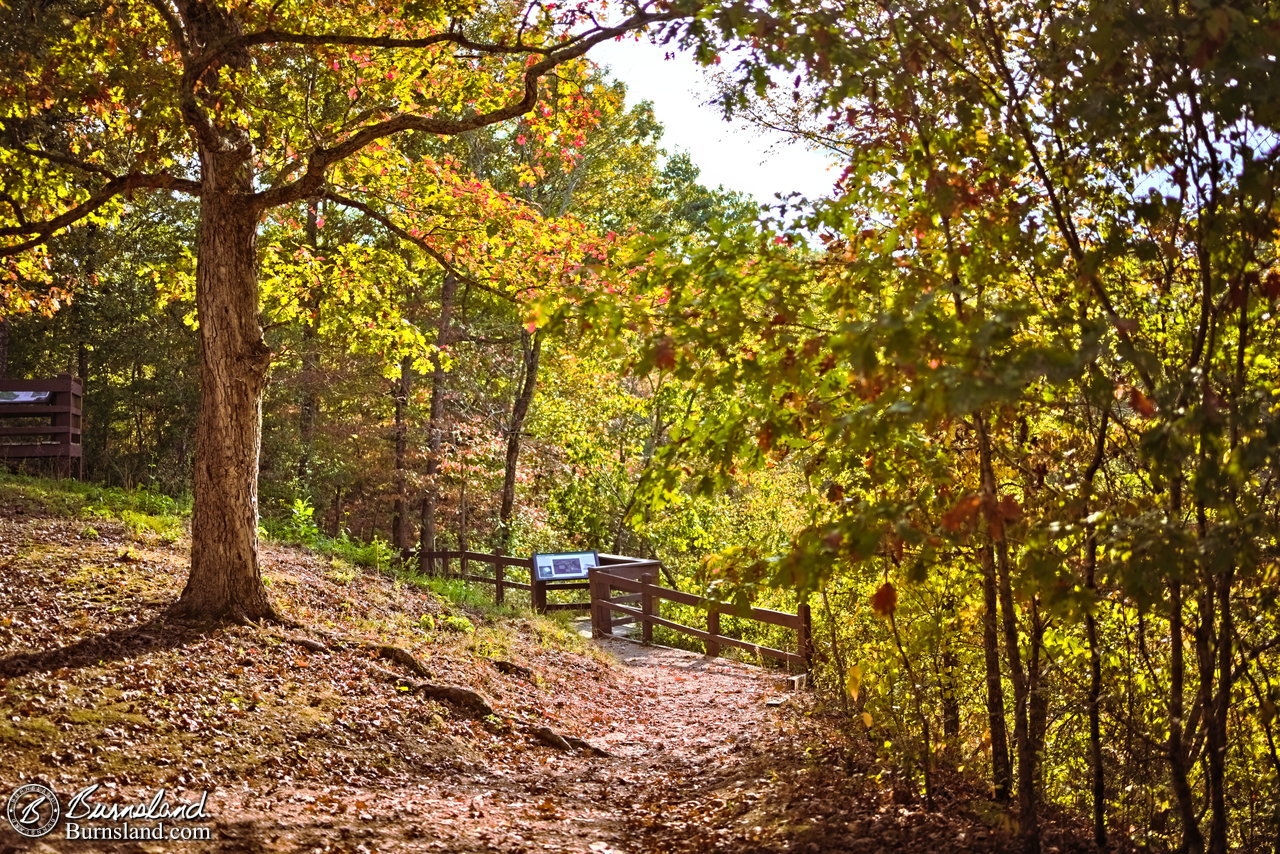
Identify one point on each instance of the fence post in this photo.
(600, 614)
(538, 595)
(804, 635)
(713, 629)
(648, 578)
(499, 579)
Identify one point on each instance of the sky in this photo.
(756, 161)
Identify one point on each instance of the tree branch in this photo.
(403, 234)
(321, 159)
(60, 159)
(42, 231)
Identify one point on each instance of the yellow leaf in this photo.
(853, 681)
(866, 720)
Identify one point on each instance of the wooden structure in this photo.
(641, 603)
(41, 419)
(536, 587)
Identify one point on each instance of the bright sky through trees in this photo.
(753, 160)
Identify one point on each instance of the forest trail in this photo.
(299, 749)
(685, 722)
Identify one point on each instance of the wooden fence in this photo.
(641, 603)
(538, 589)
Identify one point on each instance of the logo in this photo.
(33, 810)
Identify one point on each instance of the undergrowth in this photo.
(148, 515)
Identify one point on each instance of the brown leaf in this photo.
(963, 510)
(1141, 404)
(885, 600)
(1009, 509)
(764, 437)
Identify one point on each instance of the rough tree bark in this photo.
(225, 581)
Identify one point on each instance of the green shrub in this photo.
(457, 623)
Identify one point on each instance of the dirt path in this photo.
(687, 718)
(300, 749)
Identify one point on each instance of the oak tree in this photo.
(248, 108)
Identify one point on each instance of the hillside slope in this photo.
(312, 739)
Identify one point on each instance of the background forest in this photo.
(1005, 410)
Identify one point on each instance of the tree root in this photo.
(562, 741)
(513, 669)
(464, 697)
(474, 702)
(402, 657)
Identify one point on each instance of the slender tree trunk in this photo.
(309, 406)
(1218, 842)
(1209, 640)
(225, 582)
(1094, 698)
(400, 516)
(917, 702)
(1001, 772)
(435, 429)
(1037, 700)
(837, 654)
(1025, 749)
(1028, 818)
(531, 347)
(463, 522)
(1192, 839)
(950, 700)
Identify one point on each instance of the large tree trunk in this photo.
(225, 581)
(531, 349)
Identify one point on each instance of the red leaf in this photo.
(1141, 404)
(664, 356)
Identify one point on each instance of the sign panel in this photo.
(564, 565)
(26, 396)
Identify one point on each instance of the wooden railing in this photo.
(641, 603)
(537, 589)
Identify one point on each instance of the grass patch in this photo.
(476, 598)
(79, 499)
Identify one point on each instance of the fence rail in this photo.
(537, 588)
(639, 602)
(648, 595)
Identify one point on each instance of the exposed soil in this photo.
(304, 750)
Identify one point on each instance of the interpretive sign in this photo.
(562, 565)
